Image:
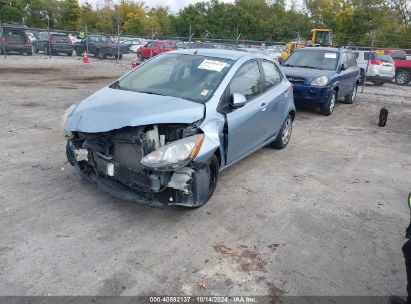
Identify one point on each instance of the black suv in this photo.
(54, 42)
(14, 39)
(101, 47)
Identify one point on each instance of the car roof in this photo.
(322, 48)
(219, 53)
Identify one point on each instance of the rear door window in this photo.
(272, 75)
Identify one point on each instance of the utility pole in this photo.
(368, 61)
(3, 40)
(48, 30)
(85, 25)
(118, 42)
(190, 35)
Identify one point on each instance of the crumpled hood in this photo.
(307, 74)
(110, 109)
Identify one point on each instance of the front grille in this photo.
(128, 155)
(295, 79)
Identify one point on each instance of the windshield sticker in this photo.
(212, 65)
(330, 55)
(204, 92)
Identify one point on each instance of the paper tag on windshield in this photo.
(204, 92)
(212, 65)
(330, 55)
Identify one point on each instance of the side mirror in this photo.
(238, 100)
(342, 67)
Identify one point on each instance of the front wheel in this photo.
(284, 135)
(402, 78)
(212, 171)
(78, 52)
(328, 108)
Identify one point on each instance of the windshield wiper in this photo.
(115, 85)
(310, 67)
(287, 65)
(152, 93)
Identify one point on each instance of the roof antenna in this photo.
(195, 52)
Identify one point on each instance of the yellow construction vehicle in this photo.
(319, 37)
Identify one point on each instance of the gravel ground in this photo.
(325, 216)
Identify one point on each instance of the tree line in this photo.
(354, 22)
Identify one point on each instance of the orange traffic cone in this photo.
(134, 63)
(85, 58)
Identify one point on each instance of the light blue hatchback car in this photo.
(175, 121)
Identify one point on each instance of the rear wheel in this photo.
(70, 54)
(328, 107)
(362, 77)
(284, 135)
(100, 55)
(78, 52)
(119, 56)
(351, 97)
(402, 77)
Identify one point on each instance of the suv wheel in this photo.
(351, 97)
(78, 52)
(284, 135)
(402, 77)
(362, 77)
(100, 54)
(328, 107)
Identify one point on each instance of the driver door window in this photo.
(247, 81)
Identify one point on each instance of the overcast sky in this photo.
(174, 5)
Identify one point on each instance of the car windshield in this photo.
(314, 59)
(191, 77)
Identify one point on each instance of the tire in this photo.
(283, 137)
(327, 108)
(213, 170)
(402, 77)
(119, 57)
(140, 57)
(78, 53)
(378, 83)
(350, 98)
(100, 55)
(70, 54)
(362, 77)
(35, 49)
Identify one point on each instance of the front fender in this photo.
(213, 140)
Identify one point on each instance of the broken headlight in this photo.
(64, 118)
(174, 155)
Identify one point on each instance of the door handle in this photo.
(263, 106)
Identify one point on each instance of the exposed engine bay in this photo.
(113, 160)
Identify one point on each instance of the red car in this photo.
(402, 66)
(153, 48)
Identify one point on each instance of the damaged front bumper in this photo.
(113, 164)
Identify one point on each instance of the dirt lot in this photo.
(326, 216)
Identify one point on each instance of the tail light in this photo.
(53, 41)
(376, 62)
